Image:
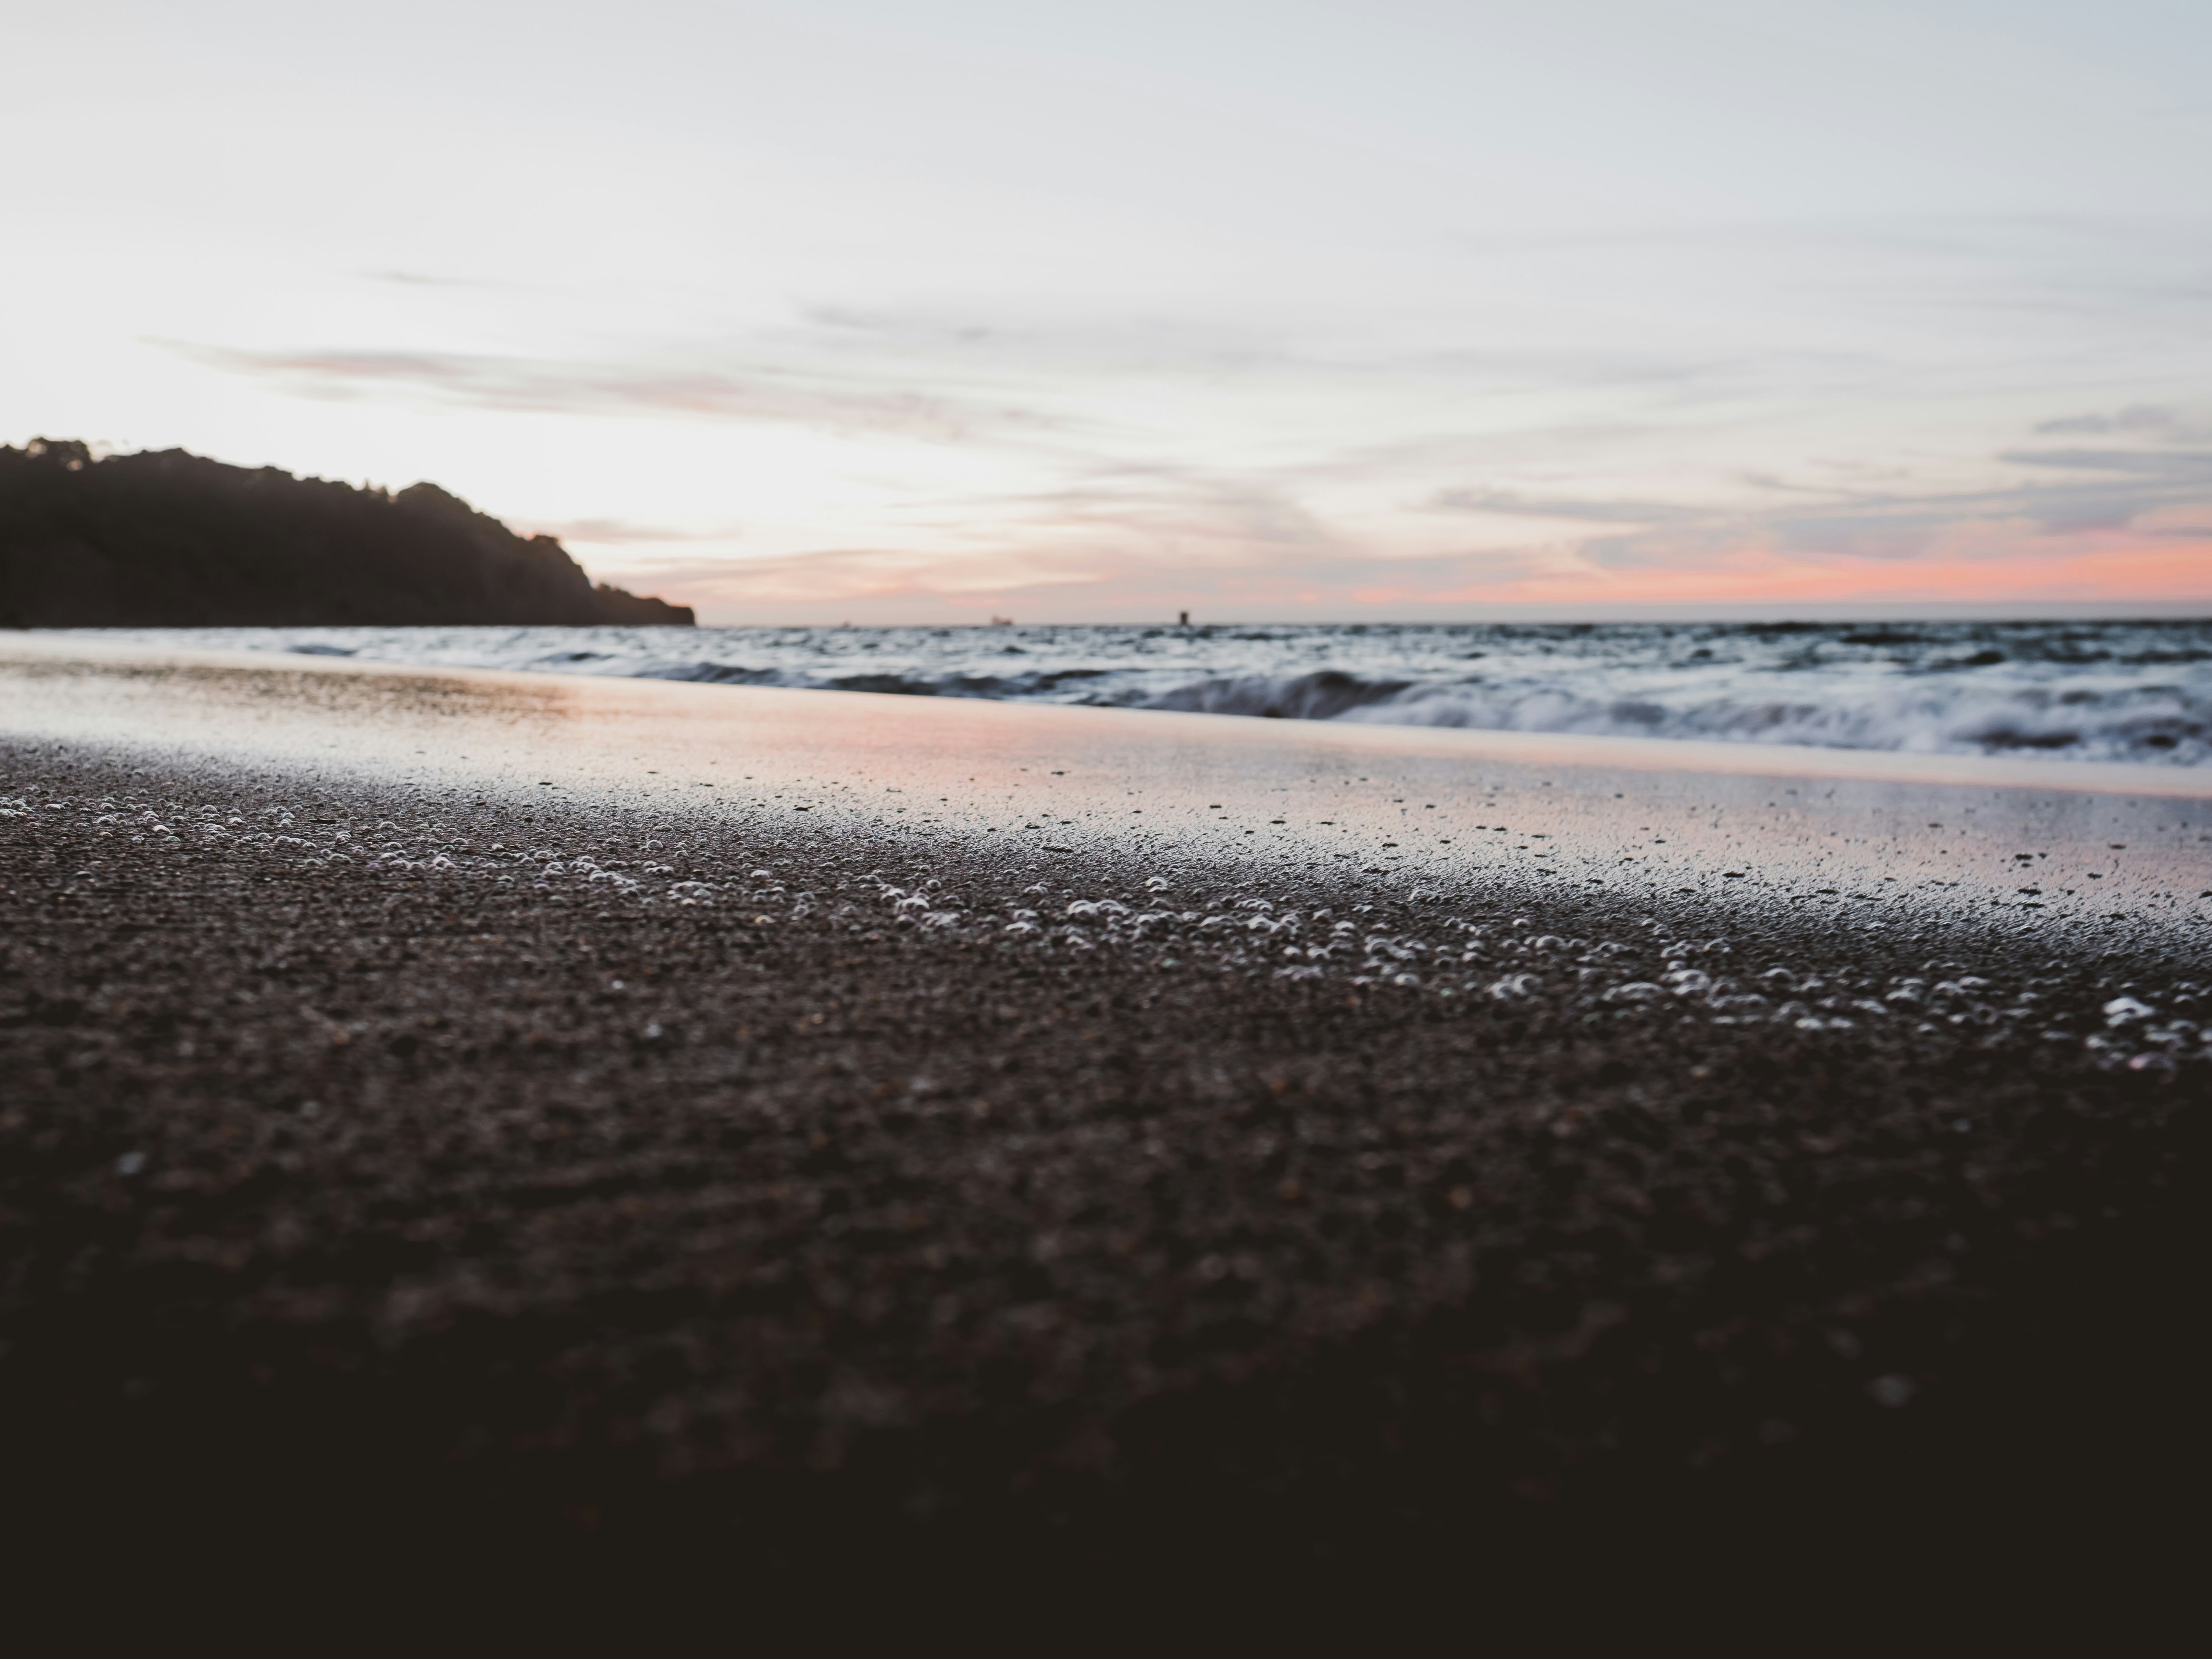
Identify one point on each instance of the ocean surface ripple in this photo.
(2083, 691)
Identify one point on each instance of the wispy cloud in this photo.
(424, 279)
(2124, 490)
(868, 584)
(1228, 349)
(621, 533)
(763, 395)
(1510, 504)
(1174, 513)
(2127, 525)
(2173, 466)
(2156, 418)
(1138, 465)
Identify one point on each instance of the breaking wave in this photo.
(2107, 691)
(2134, 723)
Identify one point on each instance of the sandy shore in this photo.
(613, 1121)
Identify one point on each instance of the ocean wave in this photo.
(1326, 695)
(984, 687)
(2155, 723)
(2077, 690)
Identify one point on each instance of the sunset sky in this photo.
(854, 310)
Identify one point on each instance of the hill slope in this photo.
(164, 538)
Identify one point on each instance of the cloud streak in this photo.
(1509, 504)
(2084, 526)
(2137, 418)
(2114, 525)
(765, 396)
(1107, 466)
(621, 532)
(2187, 468)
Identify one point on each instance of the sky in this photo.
(853, 311)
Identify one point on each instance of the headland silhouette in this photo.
(164, 538)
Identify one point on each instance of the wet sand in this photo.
(776, 1135)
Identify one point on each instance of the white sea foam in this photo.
(2135, 691)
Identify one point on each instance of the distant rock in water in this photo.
(167, 539)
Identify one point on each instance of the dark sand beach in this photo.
(471, 1122)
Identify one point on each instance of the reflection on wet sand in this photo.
(1399, 807)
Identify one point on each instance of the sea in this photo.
(2136, 691)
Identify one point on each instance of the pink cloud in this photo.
(1996, 562)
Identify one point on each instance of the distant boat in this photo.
(1002, 621)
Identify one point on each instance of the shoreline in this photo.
(2099, 693)
(27, 656)
(765, 1178)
